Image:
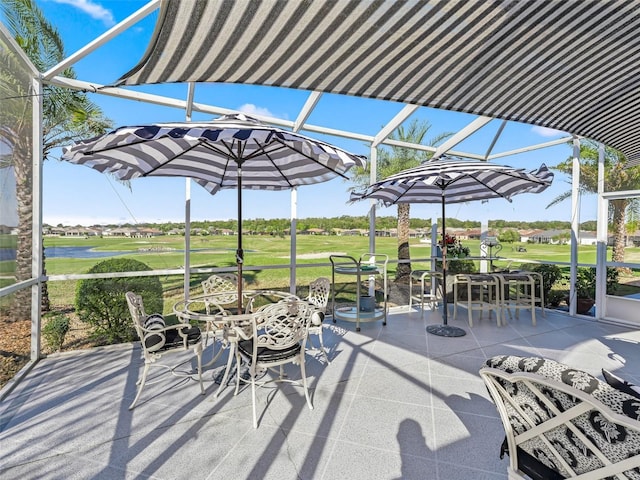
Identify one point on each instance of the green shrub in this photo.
(550, 275)
(555, 297)
(458, 266)
(101, 302)
(55, 330)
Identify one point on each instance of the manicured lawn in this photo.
(164, 252)
(219, 251)
(214, 251)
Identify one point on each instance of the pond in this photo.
(89, 252)
(80, 252)
(7, 254)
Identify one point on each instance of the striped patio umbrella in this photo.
(455, 180)
(233, 151)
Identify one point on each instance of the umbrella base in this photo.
(446, 331)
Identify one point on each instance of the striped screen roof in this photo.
(571, 65)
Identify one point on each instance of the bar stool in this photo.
(539, 283)
(483, 294)
(430, 296)
(518, 292)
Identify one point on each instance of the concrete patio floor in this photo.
(395, 403)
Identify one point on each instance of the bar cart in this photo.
(364, 309)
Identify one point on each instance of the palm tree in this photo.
(67, 116)
(617, 178)
(392, 161)
(632, 215)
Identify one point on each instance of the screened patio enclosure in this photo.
(569, 66)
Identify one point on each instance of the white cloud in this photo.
(251, 109)
(546, 132)
(94, 10)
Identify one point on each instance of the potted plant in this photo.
(586, 287)
(457, 261)
(454, 247)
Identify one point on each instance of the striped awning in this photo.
(455, 180)
(571, 65)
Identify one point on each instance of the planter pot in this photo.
(367, 304)
(583, 305)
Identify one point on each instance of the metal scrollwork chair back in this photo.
(222, 288)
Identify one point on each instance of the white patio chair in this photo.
(220, 296)
(222, 288)
(319, 291)
(561, 422)
(256, 299)
(158, 339)
(278, 334)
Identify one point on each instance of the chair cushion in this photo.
(317, 318)
(621, 384)
(174, 339)
(529, 465)
(266, 354)
(154, 340)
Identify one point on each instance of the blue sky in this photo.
(79, 195)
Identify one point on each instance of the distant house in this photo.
(120, 232)
(590, 238)
(587, 238)
(48, 230)
(314, 231)
(562, 237)
(525, 235)
(552, 237)
(148, 233)
(353, 232)
(474, 234)
(80, 232)
(459, 233)
(633, 239)
(6, 229)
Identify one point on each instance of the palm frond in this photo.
(68, 115)
(560, 198)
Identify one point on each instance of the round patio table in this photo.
(219, 324)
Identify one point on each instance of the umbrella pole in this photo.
(445, 313)
(239, 251)
(445, 330)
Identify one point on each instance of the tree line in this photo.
(347, 222)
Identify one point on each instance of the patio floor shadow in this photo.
(394, 403)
